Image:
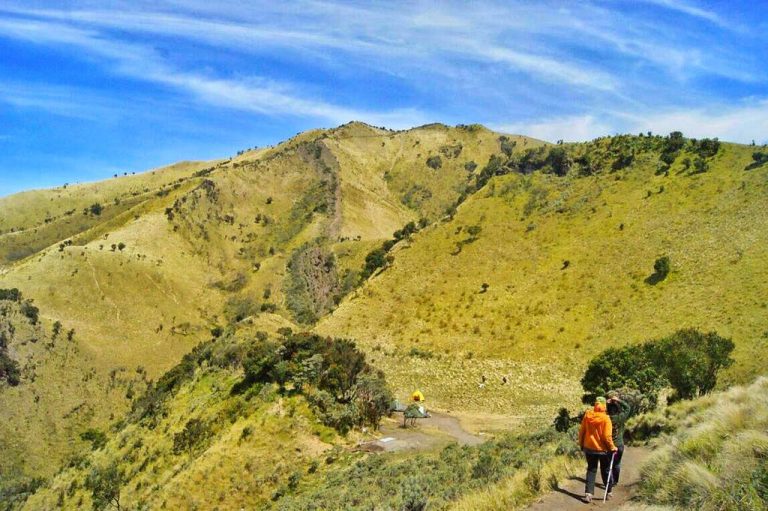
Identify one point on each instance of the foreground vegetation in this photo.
(711, 454)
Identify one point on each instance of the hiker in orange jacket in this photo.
(596, 440)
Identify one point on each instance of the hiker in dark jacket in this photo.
(619, 411)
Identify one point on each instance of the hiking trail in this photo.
(434, 431)
(568, 496)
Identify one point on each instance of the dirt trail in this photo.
(434, 431)
(569, 494)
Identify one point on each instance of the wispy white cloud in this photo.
(252, 94)
(57, 100)
(691, 10)
(570, 129)
(737, 123)
(556, 63)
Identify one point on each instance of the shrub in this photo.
(97, 438)
(105, 485)
(507, 145)
(661, 268)
(13, 294)
(563, 420)
(375, 259)
(759, 158)
(30, 311)
(96, 209)
(688, 361)
(9, 369)
(692, 359)
(194, 433)
(434, 162)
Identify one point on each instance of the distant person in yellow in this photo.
(418, 398)
(596, 440)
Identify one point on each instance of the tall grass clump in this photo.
(718, 457)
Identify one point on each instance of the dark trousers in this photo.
(593, 459)
(617, 465)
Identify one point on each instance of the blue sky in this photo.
(93, 88)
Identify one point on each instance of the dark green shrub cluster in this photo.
(188, 439)
(9, 368)
(688, 361)
(13, 294)
(706, 147)
(378, 258)
(331, 373)
(97, 438)
(759, 158)
(13, 496)
(661, 268)
(507, 146)
(434, 162)
(30, 311)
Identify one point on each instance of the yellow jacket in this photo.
(595, 433)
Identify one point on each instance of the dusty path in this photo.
(439, 429)
(569, 494)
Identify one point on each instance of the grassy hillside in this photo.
(483, 269)
(567, 261)
(176, 252)
(37, 219)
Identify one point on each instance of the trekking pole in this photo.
(610, 475)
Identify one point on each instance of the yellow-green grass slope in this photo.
(178, 251)
(716, 457)
(566, 261)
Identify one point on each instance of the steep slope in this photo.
(567, 261)
(36, 219)
(172, 254)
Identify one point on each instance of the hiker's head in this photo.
(600, 404)
(613, 408)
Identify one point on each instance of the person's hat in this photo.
(613, 394)
(600, 399)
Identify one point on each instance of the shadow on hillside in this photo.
(654, 278)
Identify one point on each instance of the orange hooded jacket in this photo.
(595, 431)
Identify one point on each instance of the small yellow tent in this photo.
(417, 396)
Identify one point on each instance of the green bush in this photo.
(13, 294)
(759, 158)
(688, 361)
(434, 162)
(97, 438)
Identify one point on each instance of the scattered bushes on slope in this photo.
(342, 388)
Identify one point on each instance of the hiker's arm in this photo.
(608, 435)
(581, 434)
(626, 409)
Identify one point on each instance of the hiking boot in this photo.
(610, 495)
(587, 498)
